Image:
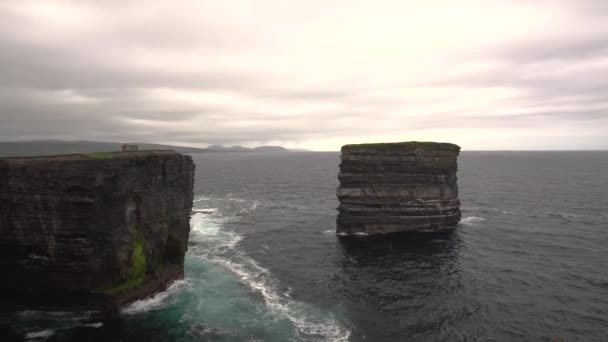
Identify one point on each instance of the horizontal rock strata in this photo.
(398, 187)
(92, 231)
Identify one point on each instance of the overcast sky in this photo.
(510, 74)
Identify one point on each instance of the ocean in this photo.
(528, 262)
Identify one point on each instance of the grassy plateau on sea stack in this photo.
(428, 145)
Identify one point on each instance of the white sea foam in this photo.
(472, 220)
(207, 229)
(41, 335)
(62, 315)
(259, 280)
(154, 302)
(202, 225)
(94, 325)
(55, 321)
(204, 210)
(201, 198)
(232, 198)
(220, 248)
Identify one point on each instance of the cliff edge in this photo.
(92, 231)
(398, 187)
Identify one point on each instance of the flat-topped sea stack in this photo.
(92, 232)
(398, 187)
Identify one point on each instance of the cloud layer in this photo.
(312, 74)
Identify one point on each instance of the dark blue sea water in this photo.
(529, 261)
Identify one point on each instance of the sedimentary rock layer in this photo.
(92, 231)
(398, 187)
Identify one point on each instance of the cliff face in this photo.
(92, 231)
(398, 187)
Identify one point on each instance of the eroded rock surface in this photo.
(398, 187)
(92, 231)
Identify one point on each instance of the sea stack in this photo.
(398, 187)
(92, 232)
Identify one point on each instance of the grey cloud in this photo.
(92, 87)
(564, 48)
(38, 67)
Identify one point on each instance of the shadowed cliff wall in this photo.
(397, 187)
(92, 231)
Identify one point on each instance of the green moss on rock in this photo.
(428, 145)
(137, 273)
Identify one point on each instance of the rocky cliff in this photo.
(398, 187)
(92, 231)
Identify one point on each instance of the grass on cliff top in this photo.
(100, 155)
(407, 144)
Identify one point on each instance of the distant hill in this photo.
(237, 148)
(220, 148)
(270, 149)
(299, 150)
(180, 149)
(54, 147)
(265, 149)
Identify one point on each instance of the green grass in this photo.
(137, 273)
(407, 144)
(100, 155)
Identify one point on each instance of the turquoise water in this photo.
(235, 298)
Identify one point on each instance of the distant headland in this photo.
(32, 148)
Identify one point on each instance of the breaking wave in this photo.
(42, 335)
(217, 245)
(30, 323)
(471, 220)
(154, 302)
